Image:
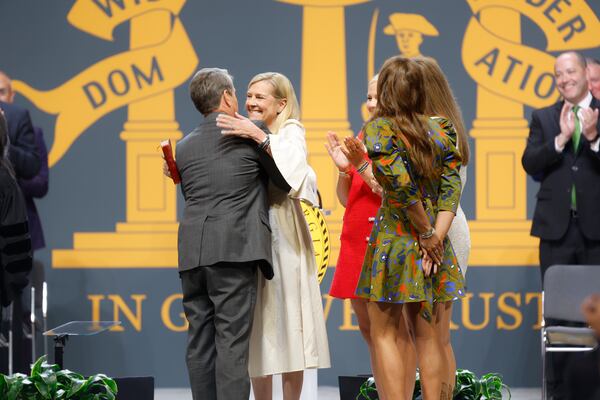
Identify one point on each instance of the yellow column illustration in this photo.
(500, 233)
(148, 238)
(324, 74)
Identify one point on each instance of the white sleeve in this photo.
(595, 145)
(288, 147)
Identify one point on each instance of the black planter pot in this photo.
(350, 387)
(135, 388)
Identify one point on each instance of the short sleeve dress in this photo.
(392, 270)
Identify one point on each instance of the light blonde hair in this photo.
(373, 79)
(440, 101)
(282, 90)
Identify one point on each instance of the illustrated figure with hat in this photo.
(409, 30)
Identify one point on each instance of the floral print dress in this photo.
(392, 270)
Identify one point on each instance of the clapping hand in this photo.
(336, 151)
(589, 121)
(354, 151)
(567, 123)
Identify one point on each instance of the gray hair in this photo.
(592, 61)
(207, 87)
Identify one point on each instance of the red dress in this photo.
(361, 208)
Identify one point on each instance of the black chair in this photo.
(564, 289)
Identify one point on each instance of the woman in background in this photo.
(288, 333)
(440, 102)
(417, 165)
(359, 193)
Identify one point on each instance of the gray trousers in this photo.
(218, 302)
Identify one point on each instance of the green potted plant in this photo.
(49, 382)
(467, 387)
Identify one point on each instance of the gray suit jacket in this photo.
(224, 183)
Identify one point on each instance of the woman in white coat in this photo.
(288, 333)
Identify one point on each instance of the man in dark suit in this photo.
(25, 160)
(563, 152)
(35, 187)
(22, 151)
(32, 186)
(224, 237)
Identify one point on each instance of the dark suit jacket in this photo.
(22, 151)
(15, 245)
(558, 172)
(36, 187)
(224, 184)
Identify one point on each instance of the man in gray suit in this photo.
(224, 237)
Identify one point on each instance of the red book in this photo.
(167, 150)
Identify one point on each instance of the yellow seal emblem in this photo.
(320, 237)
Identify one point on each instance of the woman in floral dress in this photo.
(441, 102)
(417, 165)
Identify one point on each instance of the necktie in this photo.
(576, 139)
(577, 133)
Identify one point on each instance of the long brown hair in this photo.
(440, 101)
(401, 98)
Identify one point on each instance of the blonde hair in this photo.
(373, 79)
(282, 90)
(440, 101)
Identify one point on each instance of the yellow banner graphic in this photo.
(508, 69)
(568, 25)
(519, 72)
(117, 80)
(100, 17)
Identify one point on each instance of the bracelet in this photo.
(363, 167)
(265, 143)
(343, 173)
(429, 233)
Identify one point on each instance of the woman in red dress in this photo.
(359, 192)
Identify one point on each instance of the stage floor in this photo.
(330, 393)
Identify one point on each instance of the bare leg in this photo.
(262, 387)
(292, 385)
(360, 310)
(444, 314)
(389, 363)
(432, 360)
(406, 347)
